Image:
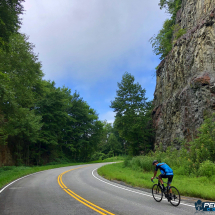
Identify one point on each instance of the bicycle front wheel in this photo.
(157, 193)
(175, 197)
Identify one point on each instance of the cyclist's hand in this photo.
(152, 178)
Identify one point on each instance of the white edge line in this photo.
(18, 180)
(129, 189)
(30, 175)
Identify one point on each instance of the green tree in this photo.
(110, 143)
(85, 129)
(9, 19)
(171, 6)
(203, 147)
(52, 107)
(132, 120)
(21, 73)
(114, 145)
(123, 143)
(103, 144)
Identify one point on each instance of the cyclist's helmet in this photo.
(155, 161)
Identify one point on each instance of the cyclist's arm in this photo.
(155, 174)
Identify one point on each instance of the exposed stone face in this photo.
(194, 11)
(185, 88)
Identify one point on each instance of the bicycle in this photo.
(171, 193)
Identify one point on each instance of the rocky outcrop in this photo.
(185, 87)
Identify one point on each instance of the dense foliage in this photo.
(9, 19)
(162, 43)
(133, 116)
(110, 143)
(171, 6)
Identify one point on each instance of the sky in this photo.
(87, 45)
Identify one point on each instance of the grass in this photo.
(11, 173)
(199, 187)
(113, 159)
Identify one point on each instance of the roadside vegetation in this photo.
(200, 187)
(193, 165)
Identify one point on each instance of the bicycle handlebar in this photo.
(153, 181)
(158, 179)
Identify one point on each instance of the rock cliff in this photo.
(185, 87)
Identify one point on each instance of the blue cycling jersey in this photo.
(164, 168)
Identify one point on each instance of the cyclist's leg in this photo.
(170, 177)
(160, 179)
(169, 191)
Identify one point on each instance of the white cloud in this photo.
(84, 39)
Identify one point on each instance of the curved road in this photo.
(79, 190)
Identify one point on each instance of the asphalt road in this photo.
(80, 191)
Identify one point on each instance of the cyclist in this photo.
(166, 172)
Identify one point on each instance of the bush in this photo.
(110, 154)
(203, 147)
(135, 163)
(180, 33)
(126, 162)
(98, 156)
(146, 163)
(139, 163)
(162, 43)
(5, 168)
(62, 160)
(207, 168)
(116, 158)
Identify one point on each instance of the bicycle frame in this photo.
(166, 188)
(170, 192)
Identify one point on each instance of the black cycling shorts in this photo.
(170, 177)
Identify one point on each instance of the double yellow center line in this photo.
(79, 198)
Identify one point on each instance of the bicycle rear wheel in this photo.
(157, 193)
(175, 197)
